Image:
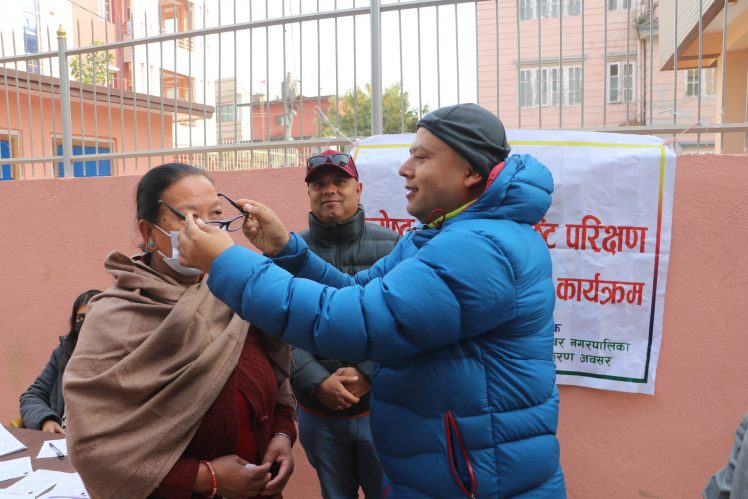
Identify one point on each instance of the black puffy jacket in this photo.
(351, 246)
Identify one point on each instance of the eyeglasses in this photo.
(230, 225)
(339, 159)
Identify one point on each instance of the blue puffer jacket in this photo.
(460, 320)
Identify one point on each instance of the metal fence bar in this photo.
(581, 6)
(606, 67)
(724, 66)
(698, 75)
(90, 55)
(400, 61)
(560, 62)
(438, 63)
(457, 53)
(54, 106)
(355, 84)
(540, 78)
(520, 98)
(18, 93)
(67, 134)
(108, 102)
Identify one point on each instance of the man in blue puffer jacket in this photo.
(459, 317)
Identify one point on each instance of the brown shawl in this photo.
(151, 359)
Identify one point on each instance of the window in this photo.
(557, 86)
(526, 9)
(573, 7)
(526, 83)
(620, 82)
(279, 120)
(530, 9)
(105, 11)
(89, 168)
(574, 85)
(708, 78)
(30, 36)
(178, 16)
(618, 4)
(176, 85)
(7, 146)
(226, 113)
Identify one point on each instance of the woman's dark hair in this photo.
(155, 182)
(72, 338)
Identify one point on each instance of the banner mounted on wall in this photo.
(608, 232)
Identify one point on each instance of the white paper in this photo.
(15, 468)
(8, 443)
(69, 486)
(47, 451)
(36, 483)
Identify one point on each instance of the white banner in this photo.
(608, 231)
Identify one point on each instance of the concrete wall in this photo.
(57, 232)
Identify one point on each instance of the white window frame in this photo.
(527, 77)
(619, 84)
(617, 5)
(707, 83)
(546, 9)
(573, 94)
(554, 91)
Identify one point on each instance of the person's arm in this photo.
(306, 371)
(190, 475)
(35, 401)
(296, 258)
(411, 309)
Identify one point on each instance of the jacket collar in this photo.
(336, 233)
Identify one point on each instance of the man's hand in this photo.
(52, 426)
(278, 451)
(200, 244)
(263, 228)
(360, 387)
(333, 392)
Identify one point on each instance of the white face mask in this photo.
(173, 260)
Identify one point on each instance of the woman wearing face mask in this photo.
(170, 394)
(42, 405)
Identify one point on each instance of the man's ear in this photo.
(359, 187)
(472, 177)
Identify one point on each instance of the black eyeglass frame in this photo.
(222, 224)
(327, 159)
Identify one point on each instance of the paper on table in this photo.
(69, 486)
(35, 483)
(15, 468)
(47, 451)
(8, 443)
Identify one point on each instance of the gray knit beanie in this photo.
(474, 132)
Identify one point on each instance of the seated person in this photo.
(170, 394)
(42, 405)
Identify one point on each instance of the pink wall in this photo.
(57, 233)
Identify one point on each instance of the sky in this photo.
(251, 62)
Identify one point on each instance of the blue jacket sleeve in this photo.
(299, 261)
(425, 302)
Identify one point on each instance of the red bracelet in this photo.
(213, 480)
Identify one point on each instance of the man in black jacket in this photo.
(334, 394)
